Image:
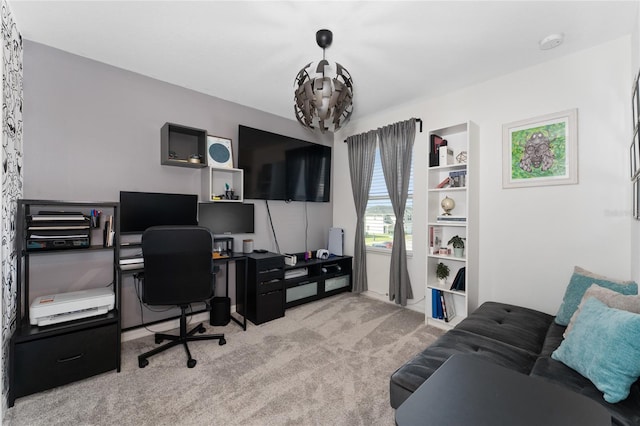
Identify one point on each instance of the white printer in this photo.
(56, 308)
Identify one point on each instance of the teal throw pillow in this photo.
(580, 281)
(604, 346)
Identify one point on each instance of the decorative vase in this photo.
(458, 251)
(442, 281)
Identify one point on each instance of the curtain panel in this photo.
(361, 151)
(396, 149)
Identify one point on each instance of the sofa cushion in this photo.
(604, 346)
(580, 281)
(624, 413)
(517, 326)
(411, 375)
(611, 298)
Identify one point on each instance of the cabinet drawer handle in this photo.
(71, 358)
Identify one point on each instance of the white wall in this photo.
(530, 238)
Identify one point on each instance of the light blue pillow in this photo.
(604, 346)
(580, 281)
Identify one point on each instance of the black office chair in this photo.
(177, 271)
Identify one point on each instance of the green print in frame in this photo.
(540, 151)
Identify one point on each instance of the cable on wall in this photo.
(273, 230)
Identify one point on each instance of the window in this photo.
(379, 219)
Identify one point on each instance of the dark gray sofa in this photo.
(514, 337)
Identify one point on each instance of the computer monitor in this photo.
(227, 218)
(141, 210)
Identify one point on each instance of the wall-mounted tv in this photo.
(227, 218)
(278, 167)
(141, 210)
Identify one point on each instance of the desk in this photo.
(235, 257)
(467, 390)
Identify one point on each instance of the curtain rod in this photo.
(419, 120)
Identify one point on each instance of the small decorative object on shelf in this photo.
(447, 205)
(458, 245)
(462, 157)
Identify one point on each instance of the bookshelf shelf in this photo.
(460, 137)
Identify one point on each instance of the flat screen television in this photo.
(278, 167)
(227, 218)
(141, 210)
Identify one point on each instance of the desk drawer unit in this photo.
(265, 288)
(58, 360)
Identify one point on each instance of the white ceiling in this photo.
(249, 52)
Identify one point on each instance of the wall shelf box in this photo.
(179, 143)
(460, 137)
(215, 181)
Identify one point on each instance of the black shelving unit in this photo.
(48, 356)
(321, 278)
(269, 292)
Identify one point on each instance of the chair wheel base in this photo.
(191, 363)
(142, 363)
(222, 342)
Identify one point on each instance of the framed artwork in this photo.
(219, 152)
(541, 151)
(634, 156)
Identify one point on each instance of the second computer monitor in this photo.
(227, 218)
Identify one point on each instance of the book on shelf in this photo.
(445, 155)
(449, 306)
(445, 183)
(458, 178)
(445, 316)
(451, 218)
(442, 305)
(459, 281)
(435, 239)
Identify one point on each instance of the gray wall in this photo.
(92, 130)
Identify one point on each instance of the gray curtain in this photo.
(362, 150)
(396, 148)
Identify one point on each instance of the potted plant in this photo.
(442, 272)
(458, 245)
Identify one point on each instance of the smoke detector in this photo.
(551, 41)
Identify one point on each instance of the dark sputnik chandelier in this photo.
(321, 100)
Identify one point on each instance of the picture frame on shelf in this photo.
(634, 157)
(435, 143)
(541, 151)
(219, 152)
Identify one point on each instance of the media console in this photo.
(273, 286)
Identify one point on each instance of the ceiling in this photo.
(249, 52)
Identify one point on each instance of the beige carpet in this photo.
(324, 363)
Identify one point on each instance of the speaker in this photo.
(219, 152)
(220, 311)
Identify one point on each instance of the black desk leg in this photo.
(243, 324)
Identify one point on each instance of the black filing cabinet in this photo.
(265, 287)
